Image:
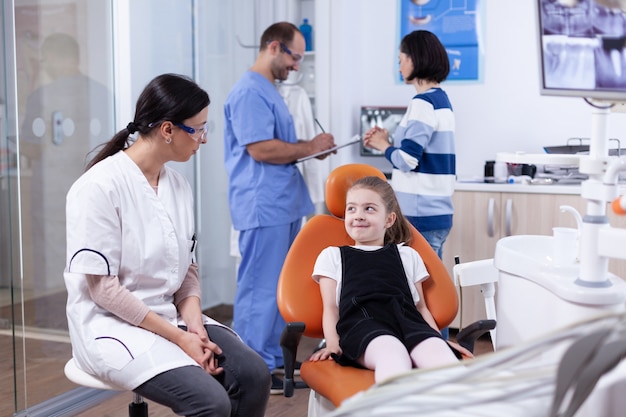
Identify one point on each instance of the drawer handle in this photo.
(509, 209)
(490, 210)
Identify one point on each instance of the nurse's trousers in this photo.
(255, 312)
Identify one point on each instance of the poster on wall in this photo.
(455, 22)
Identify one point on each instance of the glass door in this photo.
(70, 73)
(8, 209)
(56, 105)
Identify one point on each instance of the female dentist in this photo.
(133, 291)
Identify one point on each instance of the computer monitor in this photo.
(386, 117)
(581, 43)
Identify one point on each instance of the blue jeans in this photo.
(436, 239)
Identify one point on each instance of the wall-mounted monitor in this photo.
(386, 117)
(582, 48)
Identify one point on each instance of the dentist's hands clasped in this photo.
(201, 349)
(320, 143)
(376, 138)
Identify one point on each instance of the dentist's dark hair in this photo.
(400, 231)
(282, 32)
(168, 97)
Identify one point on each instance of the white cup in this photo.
(500, 172)
(565, 245)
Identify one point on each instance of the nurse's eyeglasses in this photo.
(297, 58)
(196, 134)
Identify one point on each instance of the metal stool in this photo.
(137, 408)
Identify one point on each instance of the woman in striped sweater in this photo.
(422, 153)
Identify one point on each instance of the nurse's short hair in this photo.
(429, 56)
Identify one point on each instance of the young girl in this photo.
(374, 310)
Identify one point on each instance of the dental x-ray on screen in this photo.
(582, 48)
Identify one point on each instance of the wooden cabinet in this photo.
(481, 218)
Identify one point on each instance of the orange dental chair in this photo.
(300, 302)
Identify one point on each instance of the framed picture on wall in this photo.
(456, 25)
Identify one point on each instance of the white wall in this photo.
(502, 112)
(162, 41)
(221, 59)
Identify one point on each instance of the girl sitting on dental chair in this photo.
(374, 314)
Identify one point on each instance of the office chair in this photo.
(137, 408)
(300, 302)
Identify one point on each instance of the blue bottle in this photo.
(307, 32)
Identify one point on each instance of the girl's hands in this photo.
(324, 354)
(466, 353)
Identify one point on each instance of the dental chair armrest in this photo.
(468, 336)
(289, 341)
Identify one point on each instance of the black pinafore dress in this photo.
(375, 300)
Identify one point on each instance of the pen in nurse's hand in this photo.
(320, 126)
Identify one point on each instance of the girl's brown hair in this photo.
(401, 230)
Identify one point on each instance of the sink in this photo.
(537, 297)
(526, 255)
(531, 257)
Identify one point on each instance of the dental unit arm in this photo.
(598, 240)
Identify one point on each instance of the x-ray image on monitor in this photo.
(583, 48)
(385, 117)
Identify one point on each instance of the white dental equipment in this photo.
(513, 382)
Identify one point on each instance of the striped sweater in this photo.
(423, 160)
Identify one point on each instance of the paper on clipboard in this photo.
(355, 139)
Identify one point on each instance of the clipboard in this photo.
(355, 139)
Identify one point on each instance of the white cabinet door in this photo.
(476, 229)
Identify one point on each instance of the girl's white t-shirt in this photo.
(328, 264)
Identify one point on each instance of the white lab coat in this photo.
(314, 171)
(118, 225)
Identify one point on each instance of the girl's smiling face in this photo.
(366, 218)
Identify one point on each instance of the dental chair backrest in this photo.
(299, 298)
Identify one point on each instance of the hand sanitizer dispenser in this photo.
(307, 33)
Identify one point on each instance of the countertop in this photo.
(475, 185)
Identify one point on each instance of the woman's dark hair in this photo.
(170, 97)
(429, 56)
(400, 231)
(282, 32)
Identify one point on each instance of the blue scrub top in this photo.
(260, 194)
